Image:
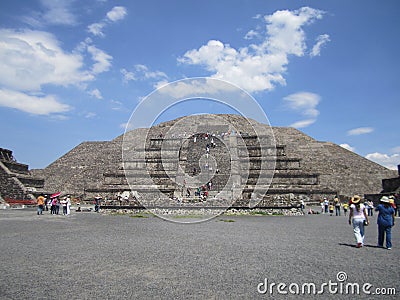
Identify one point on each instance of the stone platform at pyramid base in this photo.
(199, 214)
(224, 199)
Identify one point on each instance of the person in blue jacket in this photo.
(385, 222)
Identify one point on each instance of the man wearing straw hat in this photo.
(385, 222)
(358, 214)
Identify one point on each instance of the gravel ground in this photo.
(96, 256)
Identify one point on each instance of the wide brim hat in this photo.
(355, 199)
(385, 199)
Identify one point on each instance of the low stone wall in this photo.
(210, 212)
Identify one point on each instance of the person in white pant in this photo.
(68, 200)
(358, 214)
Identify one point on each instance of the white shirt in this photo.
(358, 214)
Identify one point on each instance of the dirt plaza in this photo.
(90, 256)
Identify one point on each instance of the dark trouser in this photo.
(57, 209)
(382, 231)
(64, 210)
(337, 209)
(326, 209)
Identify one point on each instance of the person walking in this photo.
(370, 208)
(397, 202)
(97, 203)
(337, 203)
(385, 222)
(46, 201)
(358, 216)
(57, 205)
(326, 205)
(64, 205)
(68, 200)
(53, 207)
(40, 203)
(393, 204)
(331, 209)
(345, 208)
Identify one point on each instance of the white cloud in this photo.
(348, 147)
(58, 12)
(55, 12)
(117, 105)
(96, 29)
(321, 40)
(257, 67)
(37, 105)
(360, 130)
(114, 15)
(251, 35)
(197, 87)
(304, 103)
(90, 115)
(102, 60)
(285, 29)
(389, 161)
(95, 93)
(117, 13)
(142, 72)
(30, 59)
(127, 76)
(303, 123)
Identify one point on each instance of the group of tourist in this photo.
(358, 217)
(202, 191)
(203, 135)
(359, 214)
(335, 207)
(54, 201)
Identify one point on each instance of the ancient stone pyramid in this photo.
(16, 181)
(275, 167)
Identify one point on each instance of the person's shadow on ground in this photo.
(354, 246)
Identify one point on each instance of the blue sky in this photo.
(74, 71)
